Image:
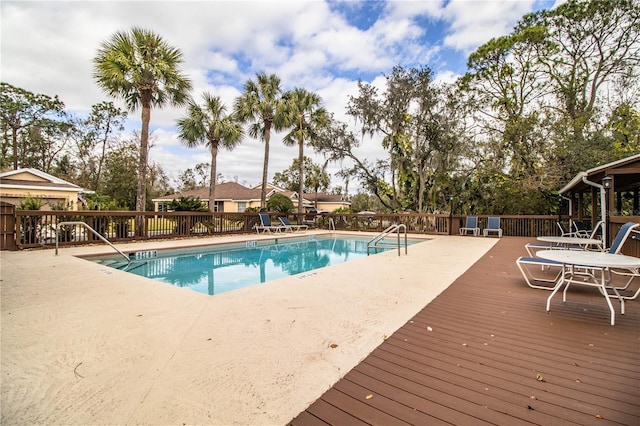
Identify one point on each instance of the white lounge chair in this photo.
(549, 271)
(493, 226)
(616, 246)
(567, 232)
(580, 229)
(266, 226)
(288, 226)
(532, 248)
(471, 225)
(586, 275)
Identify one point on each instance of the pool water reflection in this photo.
(217, 269)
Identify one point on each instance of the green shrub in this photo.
(31, 203)
(344, 210)
(280, 203)
(188, 204)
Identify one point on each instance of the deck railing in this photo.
(35, 228)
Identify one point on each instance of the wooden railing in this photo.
(35, 228)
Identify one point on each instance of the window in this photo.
(242, 207)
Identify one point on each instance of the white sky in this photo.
(48, 47)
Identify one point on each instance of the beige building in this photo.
(232, 197)
(56, 194)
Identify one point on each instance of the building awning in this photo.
(625, 172)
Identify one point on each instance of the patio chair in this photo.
(581, 230)
(532, 248)
(493, 225)
(616, 246)
(622, 291)
(471, 225)
(622, 235)
(266, 226)
(549, 271)
(288, 226)
(564, 231)
(586, 275)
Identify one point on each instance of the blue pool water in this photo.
(216, 269)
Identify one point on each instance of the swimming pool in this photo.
(220, 268)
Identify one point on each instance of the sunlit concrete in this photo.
(85, 344)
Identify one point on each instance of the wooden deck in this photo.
(486, 352)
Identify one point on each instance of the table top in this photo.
(569, 240)
(590, 258)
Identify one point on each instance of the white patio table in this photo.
(570, 241)
(594, 260)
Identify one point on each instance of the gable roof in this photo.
(626, 172)
(232, 191)
(224, 191)
(34, 179)
(323, 197)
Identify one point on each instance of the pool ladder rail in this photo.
(94, 233)
(379, 240)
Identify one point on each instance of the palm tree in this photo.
(304, 115)
(142, 69)
(260, 104)
(211, 126)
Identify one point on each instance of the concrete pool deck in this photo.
(85, 344)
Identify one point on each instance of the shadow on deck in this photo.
(486, 352)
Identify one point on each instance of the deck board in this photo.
(485, 351)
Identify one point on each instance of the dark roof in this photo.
(323, 197)
(235, 191)
(224, 191)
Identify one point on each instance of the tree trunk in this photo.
(14, 135)
(102, 156)
(301, 173)
(421, 187)
(212, 177)
(265, 166)
(141, 199)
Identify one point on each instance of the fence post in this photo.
(8, 227)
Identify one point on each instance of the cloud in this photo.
(48, 47)
(474, 23)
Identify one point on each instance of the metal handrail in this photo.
(94, 233)
(378, 240)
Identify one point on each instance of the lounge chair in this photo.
(616, 246)
(566, 232)
(266, 226)
(549, 271)
(580, 229)
(471, 225)
(622, 235)
(493, 225)
(532, 248)
(288, 226)
(623, 292)
(586, 275)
